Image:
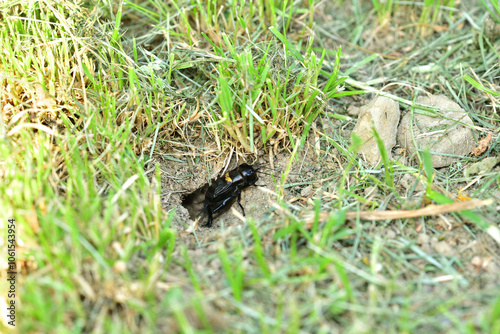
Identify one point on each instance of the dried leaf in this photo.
(482, 145)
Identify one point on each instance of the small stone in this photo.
(390, 234)
(307, 191)
(423, 239)
(352, 110)
(426, 248)
(408, 181)
(381, 114)
(442, 247)
(477, 262)
(446, 136)
(120, 297)
(370, 191)
(120, 267)
(481, 167)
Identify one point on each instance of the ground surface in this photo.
(102, 151)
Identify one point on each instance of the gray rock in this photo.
(442, 247)
(423, 239)
(408, 181)
(306, 191)
(382, 114)
(439, 134)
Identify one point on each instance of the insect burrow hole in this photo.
(193, 202)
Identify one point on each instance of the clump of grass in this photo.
(267, 89)
(278, 98)
(431, 11)
(70, 174)
(429, 14)
(384, 10)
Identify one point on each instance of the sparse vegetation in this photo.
(112, 112)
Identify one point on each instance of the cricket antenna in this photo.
(257, 167)
(261, 172)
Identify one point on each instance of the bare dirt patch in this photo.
(184, 185)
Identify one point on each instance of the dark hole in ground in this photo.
(193, 202)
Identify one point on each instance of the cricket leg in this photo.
(239, 199)
(210, 218)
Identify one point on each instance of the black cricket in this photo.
(226, 188)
